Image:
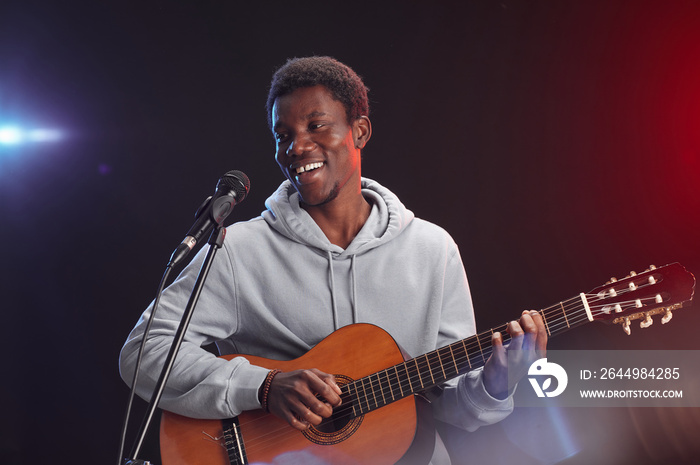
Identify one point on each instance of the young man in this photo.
(332, 249)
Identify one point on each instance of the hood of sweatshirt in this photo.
(388, 218)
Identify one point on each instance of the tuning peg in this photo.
(667, 317)
(632, 273)
(612, 280)
(626, 326)
(651, 267)
(646, 322)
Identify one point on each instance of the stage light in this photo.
(10, 135)
(13, 135)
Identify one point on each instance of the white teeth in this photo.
(309, 167)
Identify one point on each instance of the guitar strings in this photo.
(558, 317)
(553, 325)
(574, 319)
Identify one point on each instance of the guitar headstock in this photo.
(656, 291)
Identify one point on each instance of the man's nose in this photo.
(300, 144)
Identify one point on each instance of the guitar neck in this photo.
(655, 291)
(434, 368)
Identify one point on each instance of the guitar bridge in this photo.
(233, 441)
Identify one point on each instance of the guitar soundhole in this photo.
(340, 426)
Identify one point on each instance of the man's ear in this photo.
(361, 131)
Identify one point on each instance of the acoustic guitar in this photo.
(382, 419)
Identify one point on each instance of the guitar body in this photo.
(379, 437)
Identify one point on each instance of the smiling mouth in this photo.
(309, 167)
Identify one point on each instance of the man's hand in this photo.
(528, 343)
(293, 397)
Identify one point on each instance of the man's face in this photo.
(317, 149)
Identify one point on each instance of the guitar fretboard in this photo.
(434, 368)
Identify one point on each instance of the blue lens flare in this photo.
(15, 135)
(11, 135)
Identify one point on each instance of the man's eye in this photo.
(313, 126)
(280, 137)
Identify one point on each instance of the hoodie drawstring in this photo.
(334, 305)
(355, 317)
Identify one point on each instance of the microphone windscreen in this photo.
(236, 180)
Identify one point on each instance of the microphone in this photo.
(231, 189)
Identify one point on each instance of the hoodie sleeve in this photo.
(200, 385)
(464, 401)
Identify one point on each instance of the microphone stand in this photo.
(216, 241)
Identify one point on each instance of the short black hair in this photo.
(345, 85)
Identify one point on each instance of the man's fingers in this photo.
(327, 388)
(297, 415)
(313, 410)
(304, 397)
(541, 340)
(516, 335)
(316, 396)
(528, 340)
(499, 352)
(495, 370)
(530, 329)
(309, 415)
(535, 331)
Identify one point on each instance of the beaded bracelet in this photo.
(265, 389)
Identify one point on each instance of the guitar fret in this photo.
(415, 360)
(454, 360)
(388, 383)
(410, 385)
(564, 313)
(355, 400)
(364, 395)
(442, 367)
(480, 350)
(466, 353)
(358, 396)
(397, 380)
(430, 370)
(374, 392)
(541, 312)
(367, 391)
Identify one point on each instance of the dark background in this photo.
(557, 141)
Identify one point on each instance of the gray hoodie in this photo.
(278, 286)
